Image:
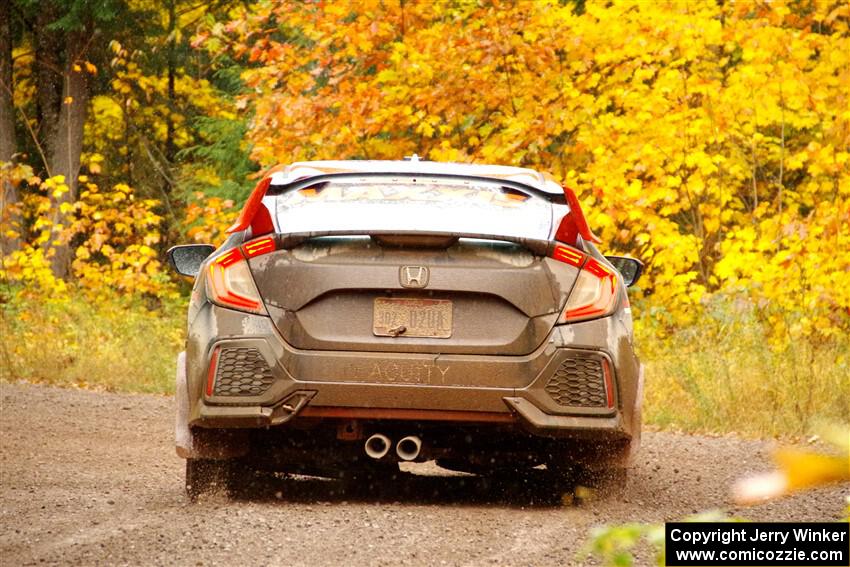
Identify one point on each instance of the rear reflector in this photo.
(609, 383)
(211, 372)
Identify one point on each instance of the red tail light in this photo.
(230, 283)
(595, 291)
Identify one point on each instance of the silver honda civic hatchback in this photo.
(362, 314)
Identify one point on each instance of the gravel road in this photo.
(91, 478)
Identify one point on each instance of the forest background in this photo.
(708, 139)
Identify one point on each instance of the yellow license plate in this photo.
(401, 317)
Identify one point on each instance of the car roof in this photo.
(305, 169)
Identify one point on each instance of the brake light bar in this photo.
(228, 259)
(597, 269)
(568, 255)
(259, 247)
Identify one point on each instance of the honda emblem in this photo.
(413, 276)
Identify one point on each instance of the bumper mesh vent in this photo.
(242, 372)
(579, 382)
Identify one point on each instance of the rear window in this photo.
(392, 204)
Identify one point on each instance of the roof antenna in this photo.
(414, 157)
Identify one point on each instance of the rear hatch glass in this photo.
(406, 204)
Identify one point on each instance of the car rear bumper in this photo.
(519, 390)
(520, 412)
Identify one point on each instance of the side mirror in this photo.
(629, 268)
(186, 259)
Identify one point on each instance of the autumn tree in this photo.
(61, 35)
(113, 91)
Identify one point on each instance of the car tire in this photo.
(205, 476)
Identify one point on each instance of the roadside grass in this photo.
(727, 375)
(720, 376)
(112, 344)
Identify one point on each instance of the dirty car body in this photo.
(362, 314)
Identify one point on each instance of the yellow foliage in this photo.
(114, 234)
(30, 267)
(207, 218)
(141, 98)
(117, 232)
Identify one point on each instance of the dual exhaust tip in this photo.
(408, 448)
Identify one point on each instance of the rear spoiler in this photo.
(256, 216)
(574, 222)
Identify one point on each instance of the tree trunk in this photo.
(9, 214)
(67, 144)
(48, 78)
(170, 147)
